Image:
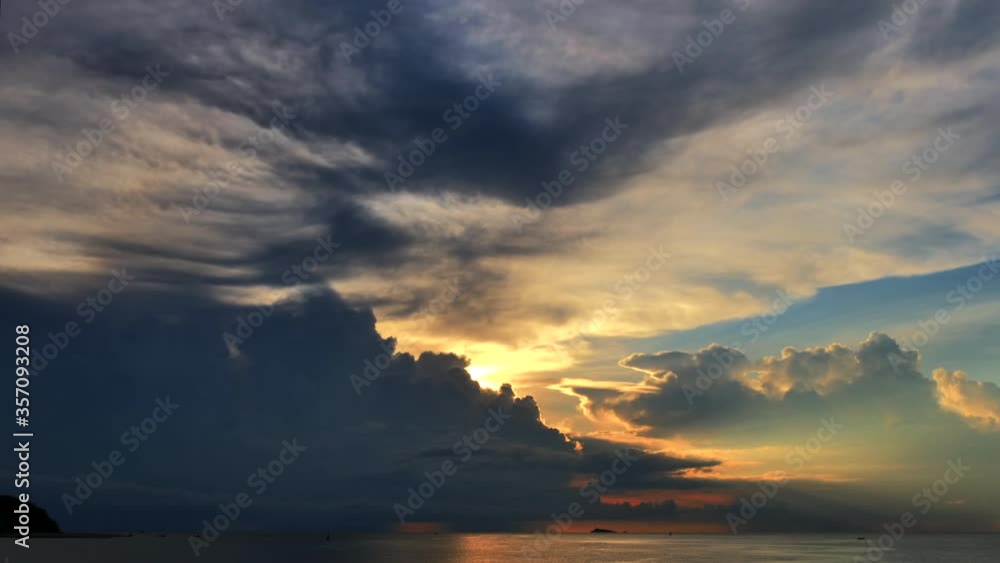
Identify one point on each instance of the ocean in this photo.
(488, 548)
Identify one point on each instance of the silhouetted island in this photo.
(41, 522)
(602, 531)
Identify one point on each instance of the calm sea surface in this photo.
(483, 548)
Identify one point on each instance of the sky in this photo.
(695, 251)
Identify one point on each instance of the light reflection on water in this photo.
(488, 548)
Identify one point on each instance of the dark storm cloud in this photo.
(399, 87)
(409, 79)
(291, 379)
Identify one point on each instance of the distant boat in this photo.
(327, 540)
(602, 531)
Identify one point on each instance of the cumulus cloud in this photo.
(761, 416)
(977, 401)
(719, 391)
